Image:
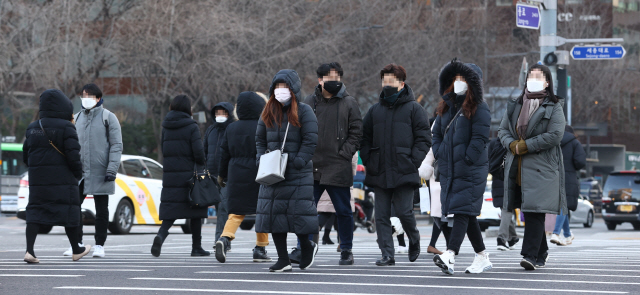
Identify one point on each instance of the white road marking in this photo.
(440, 286)
(215, 290)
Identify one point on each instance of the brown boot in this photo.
(433, 250)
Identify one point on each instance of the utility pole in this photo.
(549, 27)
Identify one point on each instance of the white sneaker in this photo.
(569, 240)
(445, 261)
(480, 264)
(402, 250)
(69, 252)
(98, 251)
(557, 240)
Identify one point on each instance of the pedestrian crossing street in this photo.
(588, 266)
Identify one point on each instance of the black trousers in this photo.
(196, 230)
(535, 240)
(102, 217)
(465, 224)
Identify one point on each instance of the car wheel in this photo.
(636, 225)
(186, 227)
(123, 219)
(589, 222)
(247, 225)
(611, 225)
(44, 229)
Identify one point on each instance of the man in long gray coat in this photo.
(101, 148)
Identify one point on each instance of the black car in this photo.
(591, 189)
(621, 199)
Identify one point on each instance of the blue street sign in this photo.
(598, 52)
(527, 16)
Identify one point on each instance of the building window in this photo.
(504, 2)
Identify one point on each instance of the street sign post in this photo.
(597, 52)
(528, 16)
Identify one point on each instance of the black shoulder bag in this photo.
(436, 171)
(203, 191)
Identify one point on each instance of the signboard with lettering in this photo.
(597, 52)
(527, 16)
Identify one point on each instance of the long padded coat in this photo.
(101, 150)
(182, 149)
(462, 156)
(53, 178)
(213, 138)
(574, 159)
(339, 134)
(238, 156)
(542, 170)
(395, 141)
(288, 206)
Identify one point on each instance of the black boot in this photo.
(308, 255)
(221, 249)
(326, 240)
(196, 248)
(260, 254)
(157, 246)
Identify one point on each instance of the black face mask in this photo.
(332, 87)
(389, 91)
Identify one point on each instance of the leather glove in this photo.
(221, 182)
(512, 147)
(522, 147)
(109, 177)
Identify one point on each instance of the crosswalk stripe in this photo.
(215, 290)
(440, 286)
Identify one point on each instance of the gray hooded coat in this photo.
(100, 155)
(543, 183)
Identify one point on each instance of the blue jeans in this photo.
(562, 223)
(341, 199)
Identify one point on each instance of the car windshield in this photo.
(584, 188)
(623, 187)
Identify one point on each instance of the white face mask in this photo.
(459, 87)
(221, 119)
(88, 102)
(282, 94)
(535, 85)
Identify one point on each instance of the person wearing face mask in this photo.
(460, 136)
(532, 129)
(101, 148)
(238, 170)
(223, 116)
(395, 140)
(288, 206)
(339, 134)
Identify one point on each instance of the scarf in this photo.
(531, 101)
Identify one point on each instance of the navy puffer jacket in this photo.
(462, 153)
(288, 206)
(213, 137)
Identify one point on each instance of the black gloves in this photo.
(109, 177)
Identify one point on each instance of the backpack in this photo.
(497, 157)
(105, 120)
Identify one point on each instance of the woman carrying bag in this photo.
(288, 205)
(460, 135)
(51, 150)
(531, 130)
(182, 149)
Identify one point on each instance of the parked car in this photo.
(584, 214)
(592, 191)
(489, 215)
(136, 200)
(621, 199)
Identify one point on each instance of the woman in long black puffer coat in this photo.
(238, 168)
(463, 161)
(288, 206)
(182, 149)
(51, 150)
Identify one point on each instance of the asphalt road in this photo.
(599, 261)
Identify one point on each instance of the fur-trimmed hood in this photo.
(471, 73)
